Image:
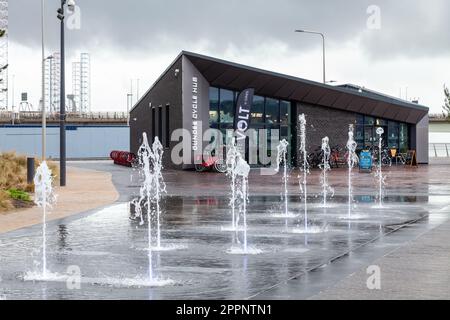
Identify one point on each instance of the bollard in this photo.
(30, 170)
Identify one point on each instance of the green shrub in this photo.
(19, 195)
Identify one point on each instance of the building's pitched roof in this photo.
(235, 76)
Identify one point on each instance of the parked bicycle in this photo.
(386, 159)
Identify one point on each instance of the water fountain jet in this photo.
(352, 161)
(159, 186)
(231, 161)
(304, 169)
(45, 199)
(379, 172)
(325, 166)
(282, 150)
(238, 167)
(150, 166)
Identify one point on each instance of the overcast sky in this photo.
(137, 39)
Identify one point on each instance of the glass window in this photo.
(258, 110)
(267, 113)
(381, 122)
(284, 133)
(359, 136)
(393, 135)
(359, 120)
(368, 136)
(359, 133)
(369, 121)
(403, 135)
(213, 105)
(272, 111)
(285, 112)
(226, 106)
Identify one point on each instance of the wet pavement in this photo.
(109, 248)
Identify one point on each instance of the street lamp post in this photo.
(129, 97)
(44, 110)
(62, 106)
(44, 114)
(323, 43)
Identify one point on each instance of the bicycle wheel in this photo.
(221, 167)
(200, 168)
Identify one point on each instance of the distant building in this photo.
(81, 83)
(439, 137)
(279, 100)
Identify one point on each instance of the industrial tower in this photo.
(52, 80)
(81, 83)
(80, 99)
(4, 55)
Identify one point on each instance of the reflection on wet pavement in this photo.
(109, 247)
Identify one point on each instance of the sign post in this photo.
(242, 118)
(365, 161)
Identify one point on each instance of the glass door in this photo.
(368, 137)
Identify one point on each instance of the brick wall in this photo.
(322, 122)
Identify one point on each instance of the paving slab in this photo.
(87, 189)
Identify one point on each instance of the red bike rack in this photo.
(123, 158)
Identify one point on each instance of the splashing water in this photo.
(159, 186)
(311, 230)
(232, 157)
(150, 194)
(238, 167)
(379, 172)
(137, 282)
(45, 199)
(325, 166)
(144, 156)
(305, 168)
(352, 161)
(243, 170)
(282, 158)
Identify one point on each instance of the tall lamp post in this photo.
(44, 110)
(44, 115)
(62, 106)
(129, 98)
(44, 59)
(323, 42)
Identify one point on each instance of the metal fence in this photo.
(36, 116)
(439, 150)
(439, 116)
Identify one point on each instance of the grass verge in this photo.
(15, 192)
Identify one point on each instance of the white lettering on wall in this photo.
(195, 138)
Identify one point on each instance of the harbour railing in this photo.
(439, 150)
(35, 116)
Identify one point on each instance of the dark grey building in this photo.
(197, 92)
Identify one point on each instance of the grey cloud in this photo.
(412, 29)
(146, 26)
